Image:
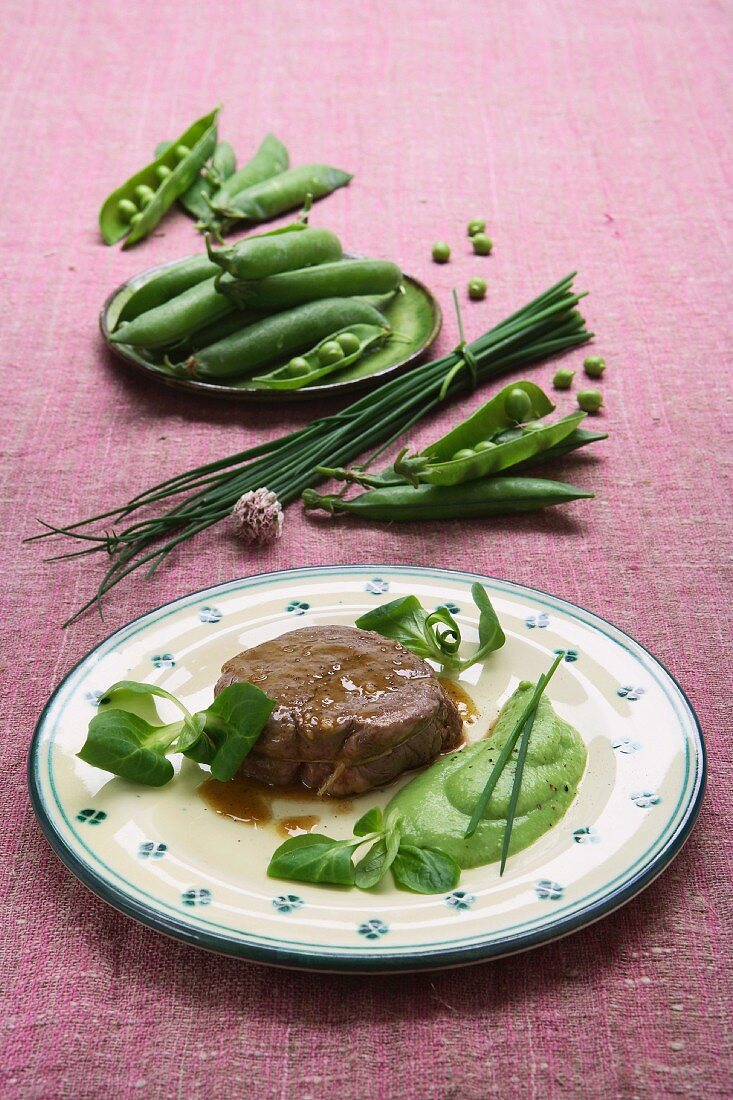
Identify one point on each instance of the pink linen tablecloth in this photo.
(592, 136)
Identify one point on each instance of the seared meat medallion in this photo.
(354, 710)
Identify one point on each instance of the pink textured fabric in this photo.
(590, 135)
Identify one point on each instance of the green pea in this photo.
(563, 378)
(349, 342)
(533, 426)
(517, 405)
(477, 289)
(330, 352)
(181, 152)
(477, 225)
(297, 367)
(590, 401)
(441, 252)
(162, 172)
(482, 244)
(144, 193)
(126, 209)
(594, 366)
(484, 445)
(463, 453)
(135, 219)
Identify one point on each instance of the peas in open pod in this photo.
(330, 352)
(517, 405)
(297, 367)
(348, 342)
(127, 209)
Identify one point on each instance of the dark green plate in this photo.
(415, 315)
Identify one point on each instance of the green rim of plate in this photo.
(415, 314)
(600, 903)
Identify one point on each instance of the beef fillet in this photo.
(354, 710)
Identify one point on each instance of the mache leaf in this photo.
(425, 870)
(370, 822)
(313, 857)
(126, 745)
(231, 726)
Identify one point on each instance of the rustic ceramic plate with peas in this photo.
(172, 857)
(414, 316)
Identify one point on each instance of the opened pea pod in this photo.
(336, 352)
(503, 432)
(133, 210)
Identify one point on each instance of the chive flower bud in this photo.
(258, 516)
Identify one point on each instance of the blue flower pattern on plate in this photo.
(210, 614)
(287, 903)
(91, 817)
(377, 586)
(451, 608)
(626, 745)
(645, 799)
(569, 654)
(192, 897)
(541, 619)
(460, 900)
(164, 660)
(150, 850)
(626, 691)
(93, 697)
(297, 607)
(373, 929)
(586, 835)
(547, 890)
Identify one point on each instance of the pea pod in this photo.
(167, 284)
(175, 319)
(221, 167)
(295, 375)
(279, 337)
(389, 476)
(489, 441)
(270, 159)
(268, 254)
(183, 160)
(283, 192)
(342, 279)
(491, 497)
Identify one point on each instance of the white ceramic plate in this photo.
(166, 858)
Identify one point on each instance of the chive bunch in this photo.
(191, 502)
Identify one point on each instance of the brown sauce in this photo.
(294, 826)
(254, 803)
(461, 699)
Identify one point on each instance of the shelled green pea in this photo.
(476, 289)
(482, 245)
(563, 379)
(590, 401)
(476, 225)
(441, 252)
(594, 366)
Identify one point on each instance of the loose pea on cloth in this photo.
(588, 135)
